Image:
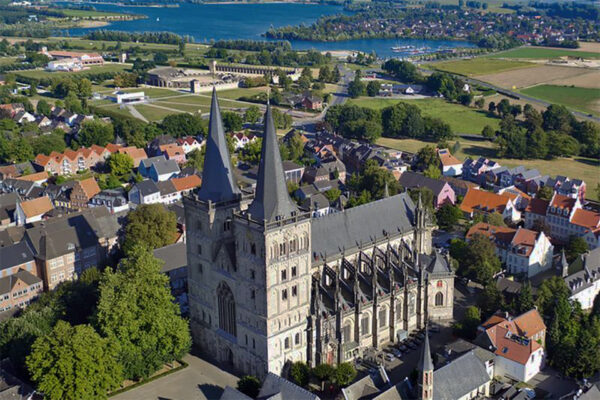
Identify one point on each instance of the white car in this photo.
(389, 357)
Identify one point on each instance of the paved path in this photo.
(199, 381)
(136, 113)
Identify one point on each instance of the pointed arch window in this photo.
(439, 299)
(226, 306)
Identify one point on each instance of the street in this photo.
(201, 380)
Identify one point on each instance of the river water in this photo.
(205, 22)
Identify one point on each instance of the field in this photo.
(89, 13)
(582, 99)
(479, 66)
(534, 76)
(542, 53)
(460, 118)
(40, 74)
(578, 167)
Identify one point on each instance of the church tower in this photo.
(212, 269)
(422, 229)
(273, 250)
(425, 368)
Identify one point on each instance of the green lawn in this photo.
(40, 74)
(460, 118)
(153, 93)
(543, 53)
(204, 100)
(241, 92)
(582, 99)
(153, 113)
(479, 66)
(587, 169)
(182, 107)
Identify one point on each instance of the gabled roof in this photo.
(218, 183)
(233, 394)
(411, 180)
(186, 183)
(510, 345)
(459, 378)
(166, 187)
(447, 159)
(586, 218)
(147, 187)
(34, 177)
(537, 206)
(173, 256)
(38, 206)
(90, 187)
(16, 254)
(163, 167)
(482, 200)
(275, 385)
(8, 282)
(271, 199)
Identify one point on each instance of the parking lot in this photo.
(400, 367)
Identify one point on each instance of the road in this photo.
(201, 380)
(520, 96)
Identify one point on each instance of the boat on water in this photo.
(157, 19)
(400, 48)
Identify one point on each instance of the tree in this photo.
(402, 119)
(160, 58)
(251, 152)
(120, 164)
(252, 115)
(492, 107)
(178, 125)
(537, 143)
(151, 225)
(470, 322)
(323, 372)
(426, 156)
(333, 194)
(432, 172)
(195, 158)
(488, 132)
(525, 300)
(549, 292)
(249, 385)
(137, 312)
(480, 102)
(126, 79)
(300, 373)
(503, 107)
(95, 132)
(43, 108)
(448, 215)
(490, 300)
(545, 193)
(576, 246)
(362, 129)
(74, 362)
(325, 74)
(477, 260)
(373, 88)
(465, 98)
(373, 179)
(345, 374)
(495, 219)
(46, 144)
(356, 88)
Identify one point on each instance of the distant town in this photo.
(240, 219)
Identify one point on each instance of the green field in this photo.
(581, 99)
(40, 74)
(153, 93)
(235, 94)
(88, 13)
(543, 53)
(153, 113)
(479, 66)
(578, 167)
(460, 118)
(204, 100)
(182, 107)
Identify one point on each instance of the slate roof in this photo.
(588, 271)
(412, 179)
(368, 386)
(459, 377)
(271, 199)
(233, 394)
(163, 167)
(166, 187)
(17, 254)
(147, 187)
(276, 387)
(218, 183)
(174, 256)
(425, 363)
(365, 224)
(8, 282)
(147, 163)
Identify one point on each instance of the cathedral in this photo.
(269, 284)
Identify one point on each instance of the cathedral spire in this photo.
(271, 201)
(425, 368)
(218, 182)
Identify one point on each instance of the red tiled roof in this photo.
(586, 218)
(476, 199)
(500, 233)
(561, 201)
(90, 187)
(186, 183)
(447, 159)
(537, 206)
(510, 348)
(525, 238)
(37, 206)
(34, 177)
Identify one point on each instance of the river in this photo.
(205, 22)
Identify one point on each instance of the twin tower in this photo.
(248, 259)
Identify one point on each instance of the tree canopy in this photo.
(151, 225)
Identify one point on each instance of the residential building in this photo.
(68, 245)
(242, 139)
(484, 202)
(450, 165)
(583, 277)
(460, 186)
(293, 172)
(115, 200)
(565, 217)
(186, 184)
(84, 59)
(173, 152)
(518, 344)
(16, 257)
(442, 191)
(475, 170)
(190, 143)
(136, 154)
(32, 210)
(22, 188)
(174, 259)
(71, 161)
(8, 206)
(563, 185)
(168, 193)
(82, 192)
(312, 102)
(524, 252)
(269, 285)
(145, 192)
(37, 178)
(19, 289)
(158, 168)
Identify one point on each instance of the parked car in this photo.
(411, 345)
(389, 357)
(397, 353)
(403, 348)
(421, 336)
